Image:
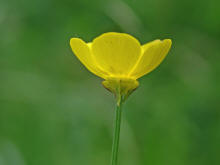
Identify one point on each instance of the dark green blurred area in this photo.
(54, 112)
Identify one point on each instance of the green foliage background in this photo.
(54, 112)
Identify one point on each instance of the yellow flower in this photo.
(120, 59)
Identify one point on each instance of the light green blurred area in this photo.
(54, 112)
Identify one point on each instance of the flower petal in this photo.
(153, 54)
(116, 53)
(83, 53)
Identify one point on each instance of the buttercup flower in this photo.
(120, 59)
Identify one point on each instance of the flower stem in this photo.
(116, 135)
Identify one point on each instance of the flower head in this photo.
(120, 59)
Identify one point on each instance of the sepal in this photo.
(120, 87)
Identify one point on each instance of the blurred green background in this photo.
(54, 112)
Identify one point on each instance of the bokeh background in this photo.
(54, 112)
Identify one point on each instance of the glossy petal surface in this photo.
(153, 54)
(83, 53)
(116, 53)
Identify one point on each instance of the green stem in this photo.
(116, 135)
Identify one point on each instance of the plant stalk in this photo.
(116, 134)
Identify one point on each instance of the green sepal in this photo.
(120, 87)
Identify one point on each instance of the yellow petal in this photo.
(83, 53)
(153, 54)
(116, 53)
